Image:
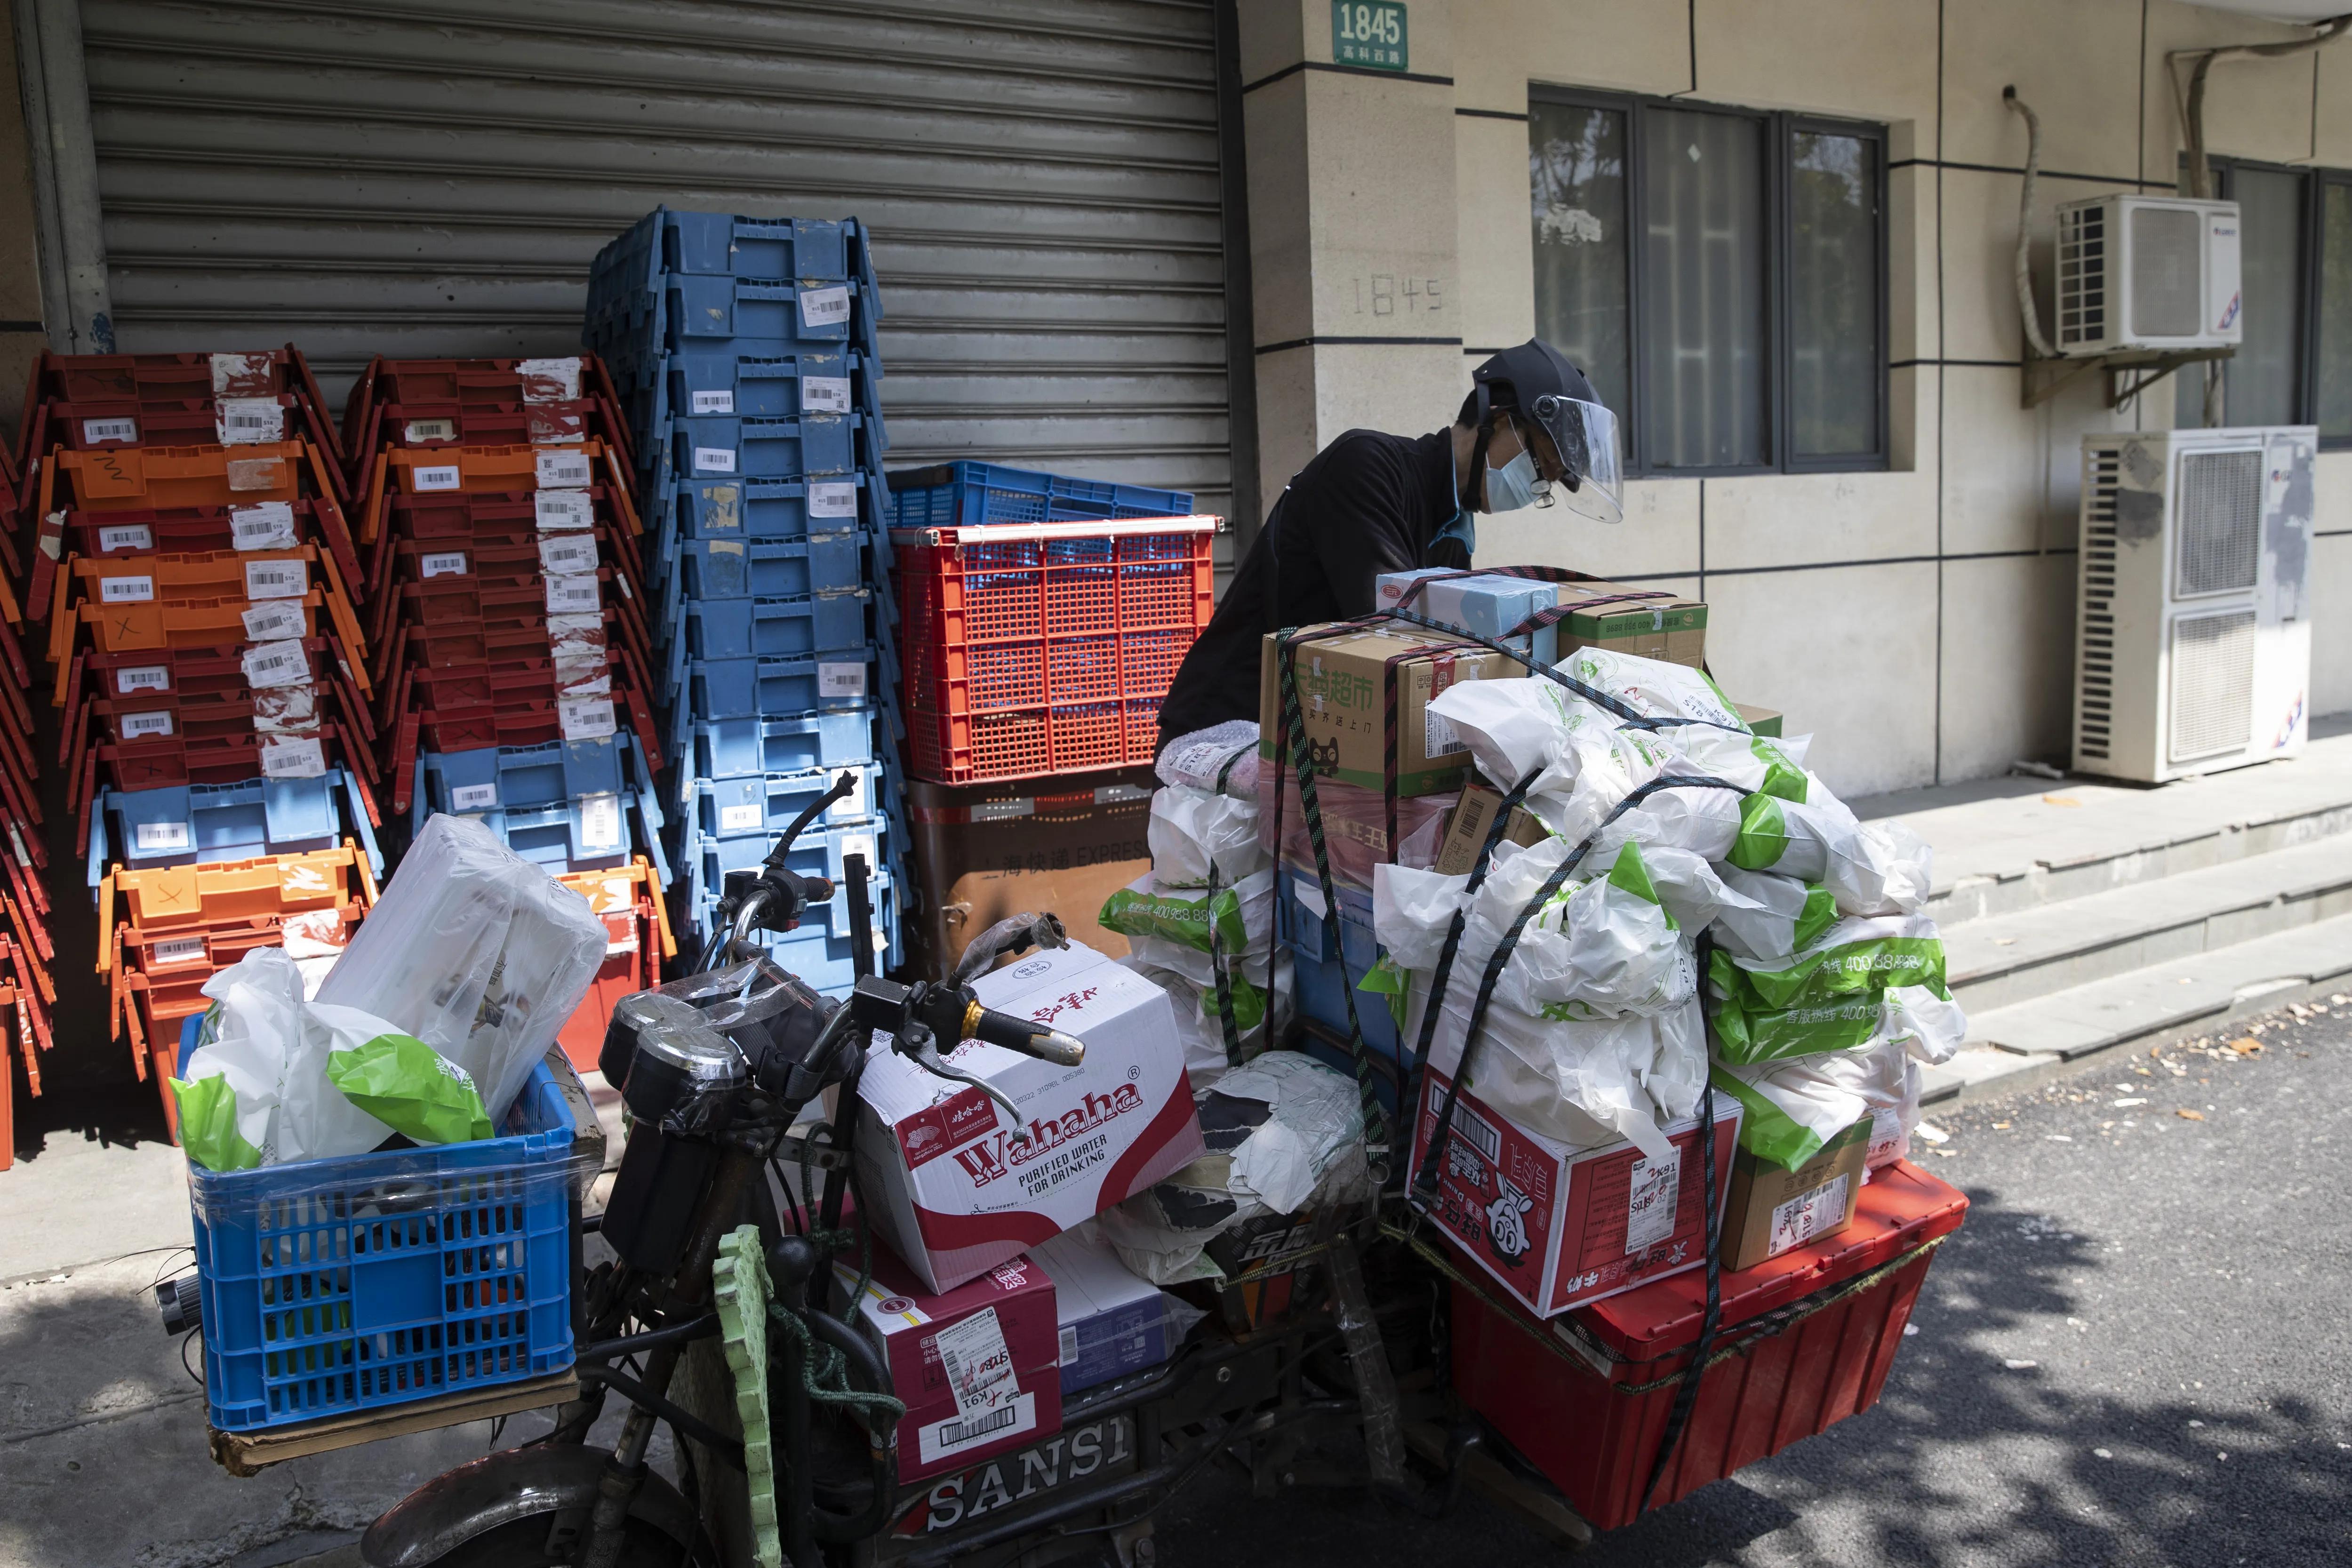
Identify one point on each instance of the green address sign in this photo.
(1367, 35)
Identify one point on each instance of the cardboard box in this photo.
(1772, 1209)
(1558, 1227)
(1343, 698)
(1486, 604)
(1629, 619)
(1763, 720)
(1112, 1324)
(1472, 818)
(947, 1181)
(985, 851)
(978, 1366)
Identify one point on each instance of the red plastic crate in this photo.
(1032, 649)
(1591, 1417)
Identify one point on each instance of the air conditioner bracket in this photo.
(2129, 374)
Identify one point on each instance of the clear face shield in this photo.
(1578, 456)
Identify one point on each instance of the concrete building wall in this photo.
(21, 338)
(1919, 621)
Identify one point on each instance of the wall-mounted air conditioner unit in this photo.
(2148, 272)
(2193, 633)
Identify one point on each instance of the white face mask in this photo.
(1512, 486)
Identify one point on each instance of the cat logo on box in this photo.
(1101, 1448)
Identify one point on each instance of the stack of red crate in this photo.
(504, 583)
(25, 989)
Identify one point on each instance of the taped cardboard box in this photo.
(1772, 1209)
(956, 1188)
(985, 851)
(1474, 818)
(1653, 623)
(978, 1365)
(1343, 686)
(1558, 1227)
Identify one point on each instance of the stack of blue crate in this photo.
(744, 352)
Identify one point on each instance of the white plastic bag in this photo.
(1584, 1083)
(273, 1046)
(1222, 758)
(1196, 831)
(476, 952)
(1794, 1107)
(1411, 913)
(1762, 926)
(1653, 687)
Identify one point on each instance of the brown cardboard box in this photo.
(1343, 698)
(1669, 627)
(985, 851)
(1467, 834)
(1763, 720)
(1771, 1210)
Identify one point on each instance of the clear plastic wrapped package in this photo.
(475, 951)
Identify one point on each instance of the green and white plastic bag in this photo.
(1602, 948)
(1195, 833)
(1793, 1108)
(1169, 927)
(1923, 1019)
(1849, 955)
(1775, 916)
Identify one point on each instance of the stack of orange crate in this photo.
(25, 989)
(194, 566)
(507, 598)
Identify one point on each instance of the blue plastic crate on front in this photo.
(745, 349)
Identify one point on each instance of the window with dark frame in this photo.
(1720, 275)
(2294, 365)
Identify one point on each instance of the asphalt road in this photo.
(2138, 1351)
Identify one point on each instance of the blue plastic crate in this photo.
(762, 804)
(664, 240)
(770, 386)
(768, 628)
(768, 687)
(732, 316)
(1324, 959)
(965, 495)
(819, 952)
(726, 446)
(750, 747)
(181, 824)
(523, 775)
(771, 568)
(818, 851)
(336, 1286)
(526, 795)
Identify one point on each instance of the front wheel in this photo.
(553, 1540)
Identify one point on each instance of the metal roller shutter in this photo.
(415, 178)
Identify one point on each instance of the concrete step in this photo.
(2007, 960)
(2200, 992)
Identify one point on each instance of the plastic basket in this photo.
(748, 747)
(727, 445)
(954, 495)
(820, 951)
(335, 1286)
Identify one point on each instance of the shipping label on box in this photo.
(1558, 1227)
(977, 1366)
(1772, 1209)
(956, 1187)
(1343, 687)
(1473, 818)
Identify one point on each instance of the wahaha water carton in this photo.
(956, 1187)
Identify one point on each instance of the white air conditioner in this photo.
(2148, 272)
(2193, 628)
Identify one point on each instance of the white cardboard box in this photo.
(955, 1188)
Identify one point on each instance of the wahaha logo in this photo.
(987, 1160)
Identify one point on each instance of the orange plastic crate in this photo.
(165, 900)
(123, 478)
(637, 941)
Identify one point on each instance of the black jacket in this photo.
(1369, 503)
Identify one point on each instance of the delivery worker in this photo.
(1530, 433)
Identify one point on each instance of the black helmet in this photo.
(1537, 385)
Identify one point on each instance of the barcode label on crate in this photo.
(143, 678)
(561, 511)
(600, 822)
(269, 623)
(286, 711)
(94, 431)
(573, 595)
(840, 681)
(244, 375)
(422, 430)
(586, 717)
(718, 400)
(241, 421)
(278, 663)
(736, 818)
(1650, 1200)
(562, 470)
(256, 473)
(440, 477)
(126, 590)
(172, 949)
(859, 845)
(138, 725)
(835, 497)
(276, 579)
(714, 459)
(825, 394)
(158, 836)
(827, 307)
(125, 536)
(567, 554)
(265, 525)
(443, 563)
(284, 757)
(473, 797)
(549, 380)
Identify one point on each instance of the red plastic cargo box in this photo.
(1806, 1340)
